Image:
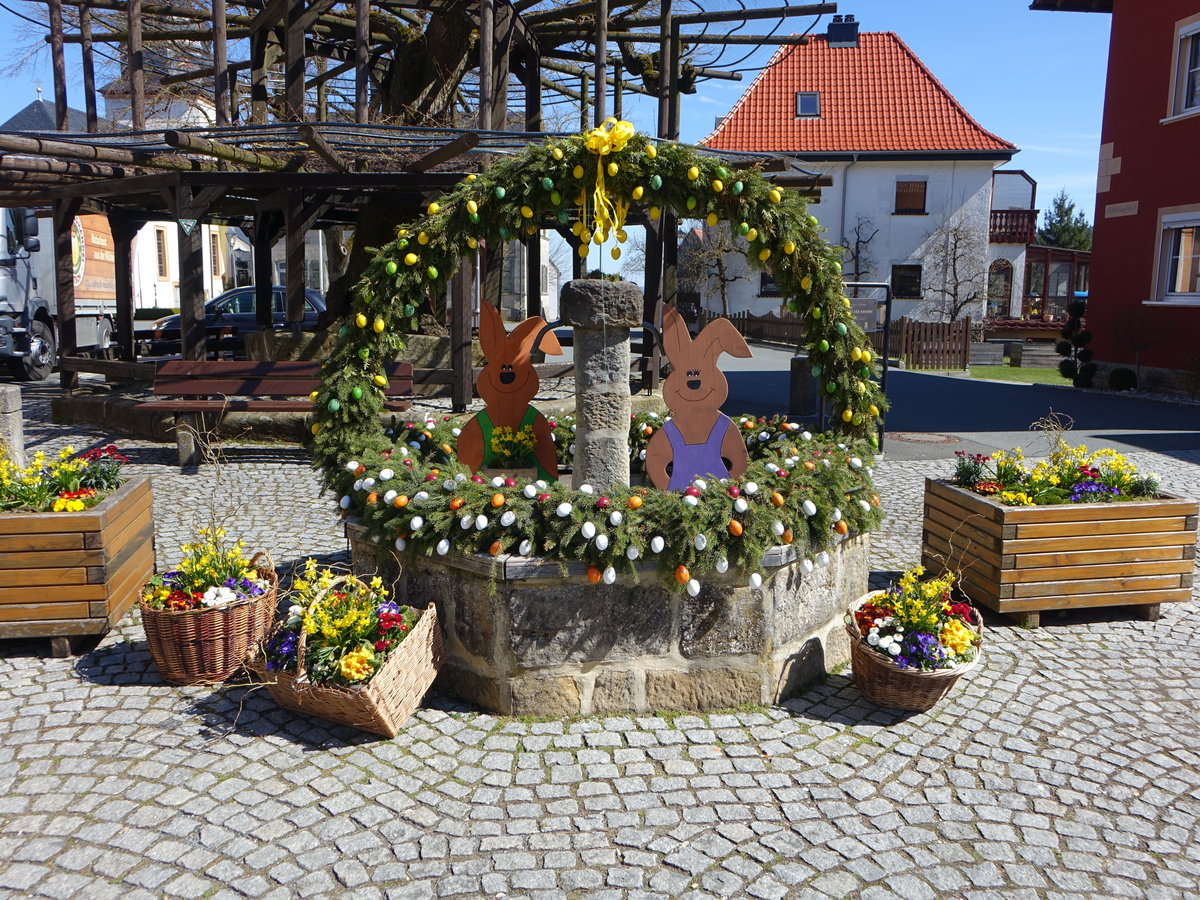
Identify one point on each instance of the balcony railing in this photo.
(1013, 226)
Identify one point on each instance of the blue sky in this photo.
(1034, 78)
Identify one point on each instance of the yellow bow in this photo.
(611, 137)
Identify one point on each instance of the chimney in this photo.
(843, 31)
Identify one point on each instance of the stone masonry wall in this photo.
(522, 639)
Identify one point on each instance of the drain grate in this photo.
(922, 437)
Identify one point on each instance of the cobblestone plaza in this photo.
(1067, 765)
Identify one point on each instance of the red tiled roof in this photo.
(877, 97)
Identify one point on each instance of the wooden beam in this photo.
(14, 143)
(444, 153)
(293, 212)
(293, 60)
(123, 231)
(462, 303)
(361, 14)
(196, 144)
(600, 73)
(58, 64)
(9, 163)
(267, 223)
(89, 67)
(207, 71)
(134, 63)
(487, 47)
(188, 214)
(322, 148)
(64, 283)
(220, 63)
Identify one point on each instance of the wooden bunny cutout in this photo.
(507, 383)
(699, 440)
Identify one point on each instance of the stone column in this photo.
(602, 313)
(12, 432)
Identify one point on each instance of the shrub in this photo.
(1122, 379)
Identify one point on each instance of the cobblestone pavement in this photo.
(1066, 766)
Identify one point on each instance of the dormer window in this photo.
(808, 105)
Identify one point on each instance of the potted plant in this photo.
(910, 644)
(205, 619)
(1081, 528)
(76, 542)
(345, 652)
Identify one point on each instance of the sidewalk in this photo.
(1066, 766)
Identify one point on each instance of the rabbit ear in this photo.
(523, 336)
(719, 336)
(676, 339)
(492, 336)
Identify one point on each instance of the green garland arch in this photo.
(559, 181)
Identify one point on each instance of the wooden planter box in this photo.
(70, 574)
(1026, 559)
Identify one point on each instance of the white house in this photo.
(513, 280)
(912, 171)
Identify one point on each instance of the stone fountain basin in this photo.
(530, 637)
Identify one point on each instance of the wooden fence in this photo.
(931, 345)
(786, 329)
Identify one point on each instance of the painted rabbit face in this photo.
(695, 381)
(509, 378)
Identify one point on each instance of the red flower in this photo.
(404, 628)
(380, 646)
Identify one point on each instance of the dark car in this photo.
(235, 310)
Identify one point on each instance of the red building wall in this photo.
(1151, 166)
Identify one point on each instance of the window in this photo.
(160, 246)
(1187, 75)
(767, 286)
(910, 198)
(808, 105)
(1182, 246)
(906, 282)
(214, 254)
(999, 295)
(241, 303)
(545, 282)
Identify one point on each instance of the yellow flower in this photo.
(957, 637)
(357, 665)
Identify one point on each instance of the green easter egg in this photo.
(500, 192)
(356, 393)
(392, 268)
(812, 220)
(548, 184)
(655, 181)
(432, 272)
(343, 331)
(503, 233)
(824, 345)
(334, 404)
(744, 228)
(691, 202)
(555, 197)
(738, 187)
(865, 371)
(816, 313)
(409, 309)
(816, 370)
(841, 328)
(563, 217)
(722, 172)
(831, 387)
(474, 217)
(364, 352)
(402, 243)
(793, 306)
(874, 440)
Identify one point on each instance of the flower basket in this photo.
(381, 705)
(207, 645)
(886, 684)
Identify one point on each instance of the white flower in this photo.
(218, 596)
(873, 638)
(894, 650)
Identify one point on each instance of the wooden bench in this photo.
(191, 388)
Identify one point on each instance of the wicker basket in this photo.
(207, 645)
(886, 684)
(383, 704)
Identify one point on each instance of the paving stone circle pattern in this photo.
(1068, 765)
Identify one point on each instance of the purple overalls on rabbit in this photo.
(691, 461)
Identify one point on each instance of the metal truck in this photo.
(28, 310)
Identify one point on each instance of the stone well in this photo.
(522, 639)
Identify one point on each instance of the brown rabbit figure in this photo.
(507, 383)
(699, 439)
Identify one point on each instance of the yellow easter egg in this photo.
(378, 325)
(866, 356)
(718, 185)
(526, 212)
(752, 234)
(616, 252)
(472, 243)
(855, 353)
(711, 219)
(583, 250)
(316, 427)
(637, 192)
(655, 212)
(651, 151)
(764, 254)
(693, 173)
(313, 396)
(873, 409)
(410, 259)
(789, 248)
(423, 238)
(434, 209)
(380, 380)
(577, 171)
(472, 176)
(847, 414)
(806, 281)
(472, 207)
(360, 320)
(556, 153)
(774, 196)
(613, 168)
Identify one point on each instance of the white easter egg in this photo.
(443, 547)
(563, 510)
(352, 465)
(368, 483)
(806, 566)
(481, 522)
(701, 483)
(778, 529)
(586, 489)
(740, 505)
(497, 481)
(449, 484)
(810, 508)
(456, 431)
(855, 462)
(386, 474)
(529, 491)
(806, 435)
(588, 530)
(344, 503)
(609, 575)
(421, 495)
(822, 558)
(508, 518)
(864, 505)
(701, 541)
(389, 497)
(401, 543)
(722, 565)
(632, 552)
(837, 514)
(357, 484)
(690, 500)
(616, 518)
(755, 580)
(525, 548)
(460, 477)
(540, 483)
(602, 542)
(466, 522)
(415, 523)
(657, 544)
(751, 487)
(693, 587)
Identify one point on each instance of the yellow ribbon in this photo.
(611, 137)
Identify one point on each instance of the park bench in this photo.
(190, 389)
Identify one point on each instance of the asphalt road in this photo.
(931, 416)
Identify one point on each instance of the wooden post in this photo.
(462, 307)
(293, 60)
(264, 270)
(618, 87)
(293, 215)
(220, 63)
(583, 101)
(601, 64)
(133, 61)
(191, 266)
(258, 76)
(64, 284)
(533, 275)
(533, 91)
(89, 67)
(487, 47)
(58, 64)
(362, 11)
(123, 230)
(670, 222)
(322, 92)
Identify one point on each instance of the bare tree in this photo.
(859, 263)
(955, 269)
(708, 257)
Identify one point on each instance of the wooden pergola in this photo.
(290, 166)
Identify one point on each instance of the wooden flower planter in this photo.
(65, 575)
(1022, 560)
